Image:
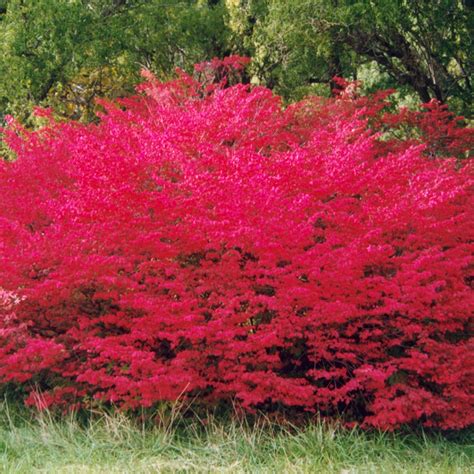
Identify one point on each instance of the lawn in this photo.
(116, 443)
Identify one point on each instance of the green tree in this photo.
(65, 53)
(423, 47)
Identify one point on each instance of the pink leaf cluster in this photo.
(210, 243)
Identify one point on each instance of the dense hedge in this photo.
(202, 241)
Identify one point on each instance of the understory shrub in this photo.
(203, 241)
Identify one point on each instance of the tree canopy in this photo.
(68, 52)
(65, 53)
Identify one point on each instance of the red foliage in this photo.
(209, 243)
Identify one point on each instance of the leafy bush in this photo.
(201, 241)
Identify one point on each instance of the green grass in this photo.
(114, 443)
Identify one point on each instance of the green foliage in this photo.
(424, 45)
(421, 47)
(65, 53)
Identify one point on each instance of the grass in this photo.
(115, 443)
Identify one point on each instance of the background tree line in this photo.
(65, 53)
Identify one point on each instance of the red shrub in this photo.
(202, 241)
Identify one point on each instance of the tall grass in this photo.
(171, 442)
